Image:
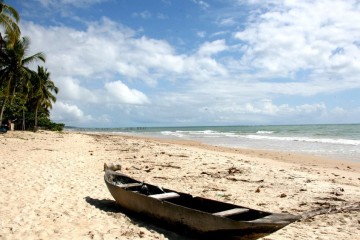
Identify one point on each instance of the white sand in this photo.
(52, 185)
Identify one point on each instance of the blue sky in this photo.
(122, 63)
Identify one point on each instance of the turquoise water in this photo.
(335, 141)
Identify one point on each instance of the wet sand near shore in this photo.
(52, 185)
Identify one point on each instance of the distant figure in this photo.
(112, 166)
(11, 125)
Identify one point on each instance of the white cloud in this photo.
(267, 107)
(70, 89)
(162, 16)
(286, 48)
(339, 111)
(65, 112)
(201, 34)
(204, 5)
(120, 93)
(227, 21)
(295, 35)
(106, 49)
(144, 14)
(83, 64)
(210, 48)
(103, 50)
(203, 69)
(216, 34)
(75, 53)
(77, 3)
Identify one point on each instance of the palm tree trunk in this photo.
(36, 118)
(2, 45)
(23, 121)
(2, 110)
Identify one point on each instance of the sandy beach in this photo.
(52, 185)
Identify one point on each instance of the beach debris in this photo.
(213, 174)
(141, 234)
(338, 191)
(234, 170)
(160, 177)
(261, 204)
(223, 195)
(327, 202)
(112, 166)
(168, 166)
(136, 168)
(283, 195)
(148, 169)
(232, 179)
(214, 189)
(181, 155)
(244, 180)
(257, 190)
(331, 209)
(294, 176)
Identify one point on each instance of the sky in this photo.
(143, 63)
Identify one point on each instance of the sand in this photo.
(52, 185)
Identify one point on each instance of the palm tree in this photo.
(14, 73)
(43, 88)
(9, 19)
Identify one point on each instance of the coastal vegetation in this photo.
(26, 95)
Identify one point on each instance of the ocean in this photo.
(338, 141)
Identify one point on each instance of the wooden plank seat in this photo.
(164, 196)
(129, 185)
(231, 212)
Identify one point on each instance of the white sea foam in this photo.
(306, 139)
(265, 136)
(265, 132)
(173, 134)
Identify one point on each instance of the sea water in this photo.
(336, 141)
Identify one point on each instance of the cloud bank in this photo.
(278, 67)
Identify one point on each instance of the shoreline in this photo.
(277, 155)
(53, 187)
(337, 141)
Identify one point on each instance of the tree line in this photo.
(26, 95)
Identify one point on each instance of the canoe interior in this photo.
(187, 200)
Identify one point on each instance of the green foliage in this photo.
(25, 95)
(9, 19)
(47, 124)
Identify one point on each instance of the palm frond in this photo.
(8, 10)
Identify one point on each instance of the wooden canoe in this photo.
(196, 215)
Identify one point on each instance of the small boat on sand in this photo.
(197, 216)
(3, 129)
